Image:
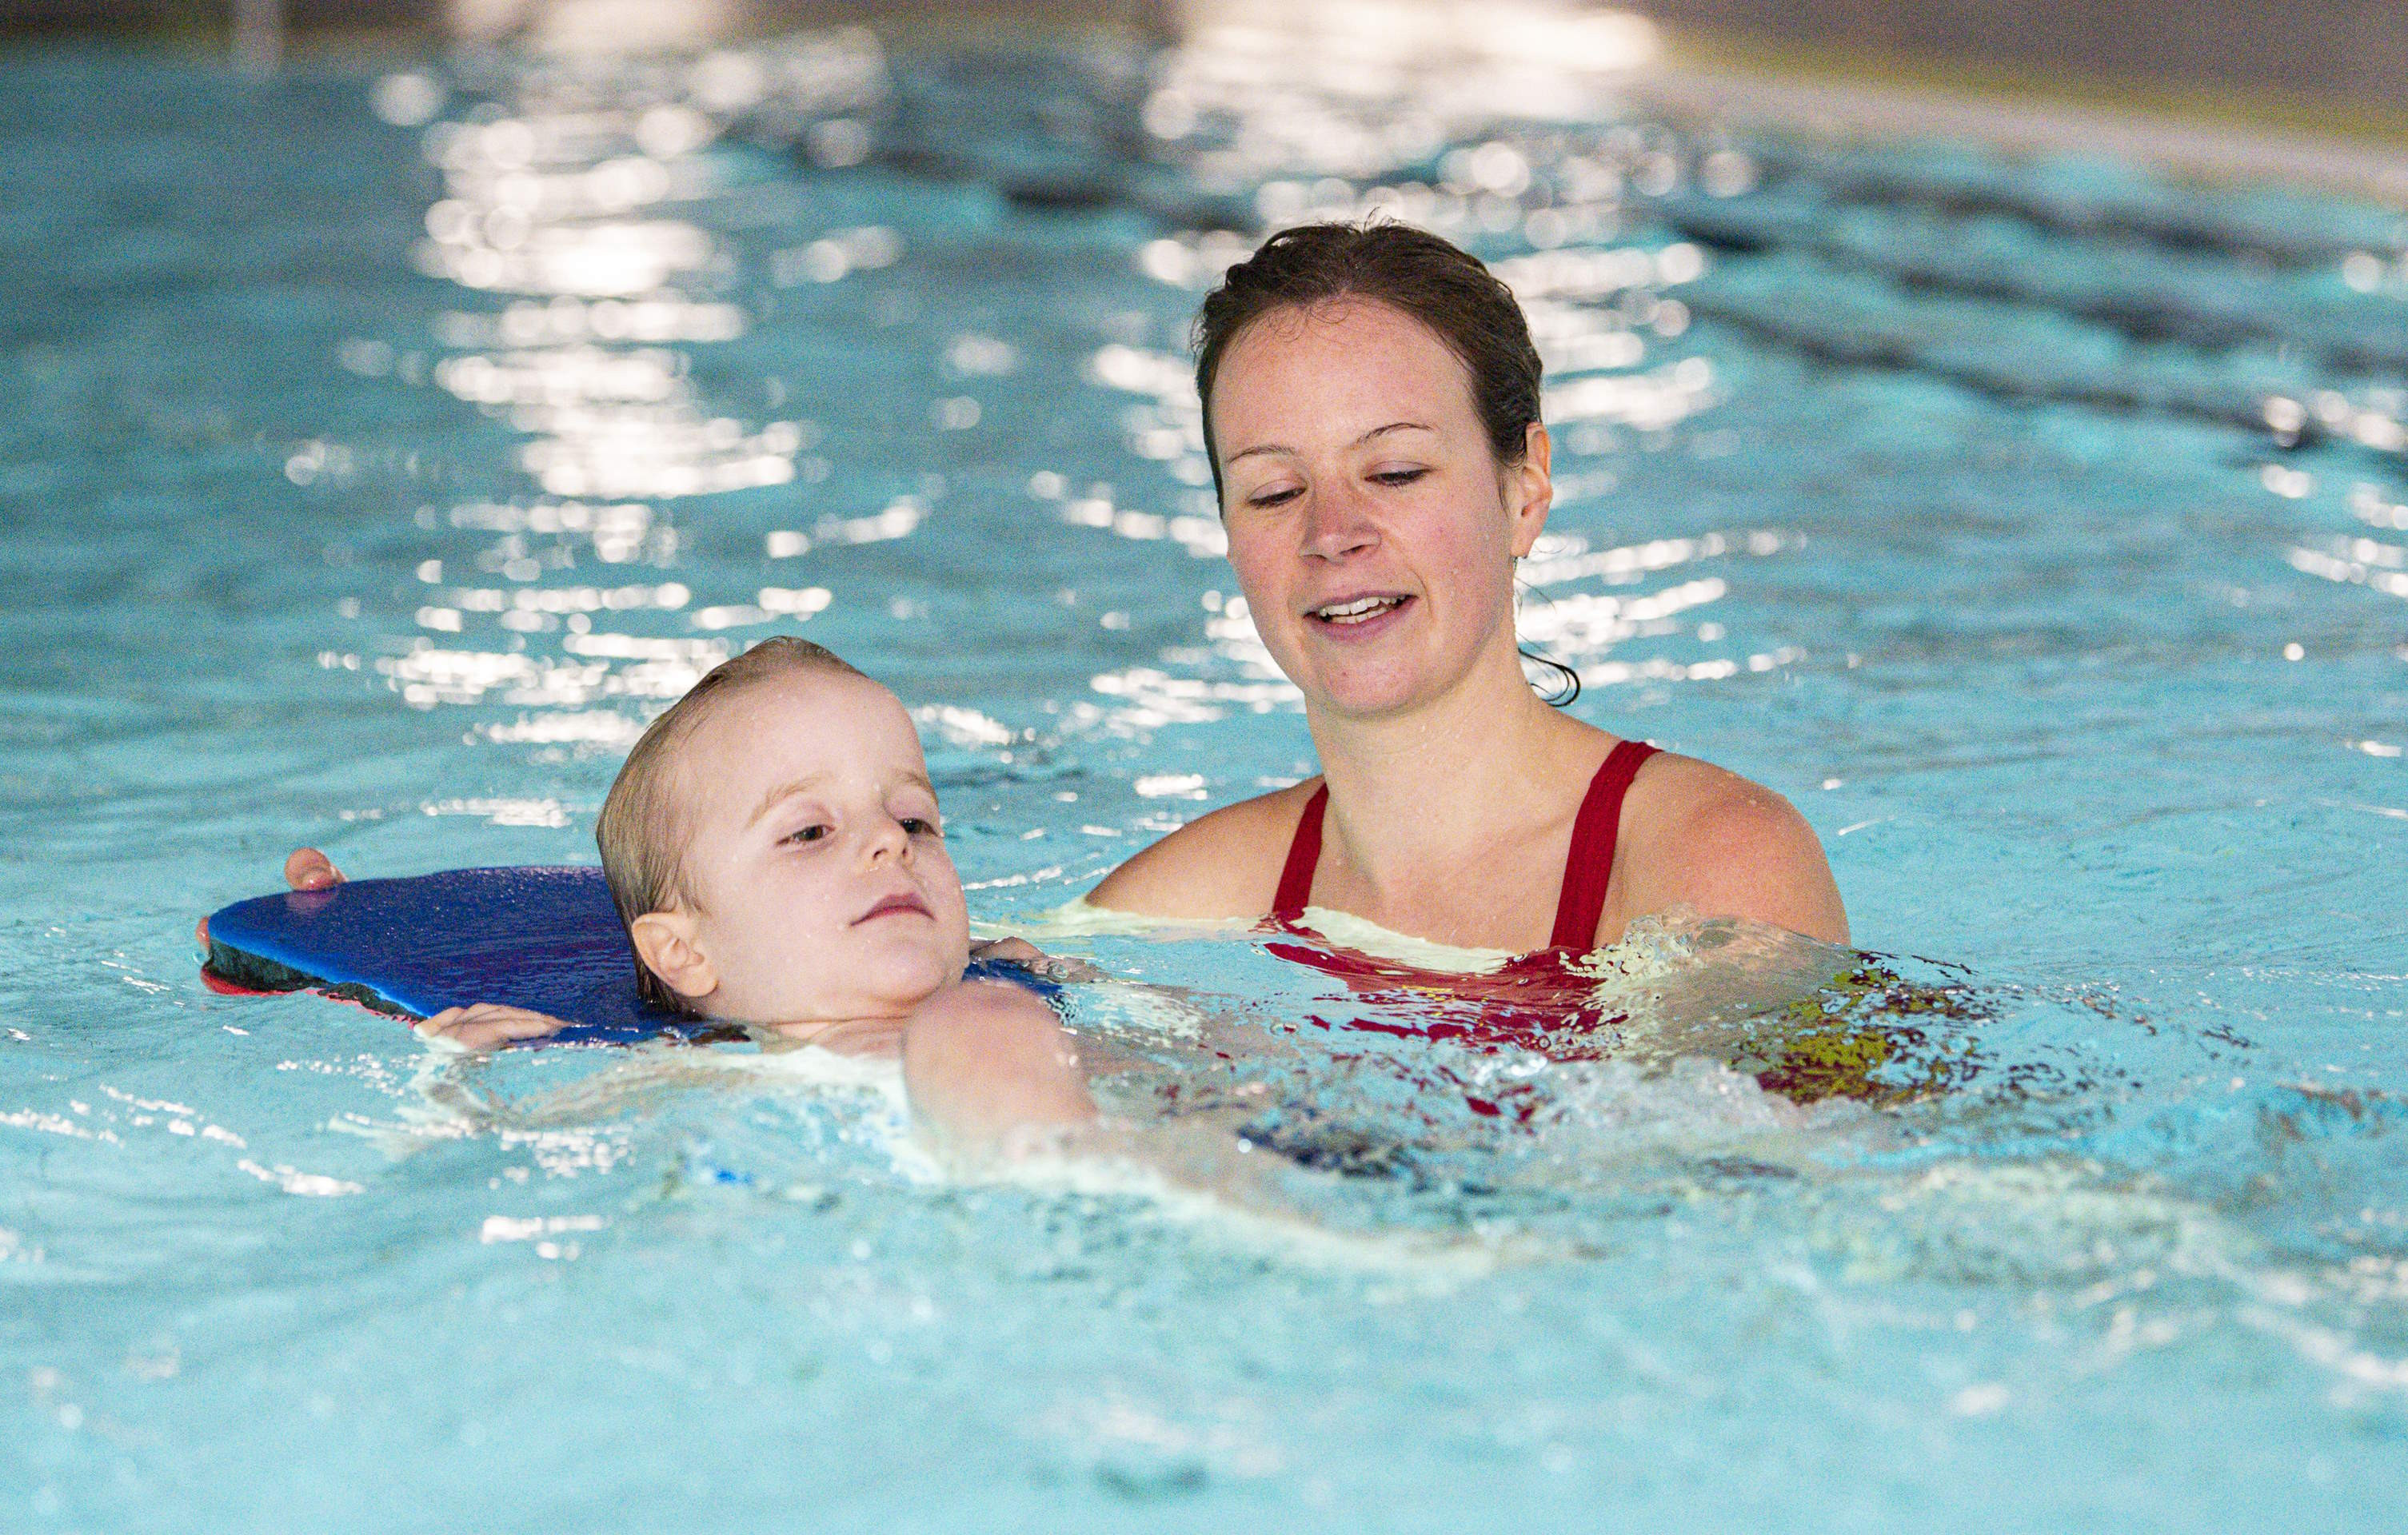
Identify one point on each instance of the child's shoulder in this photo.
(1223, 864)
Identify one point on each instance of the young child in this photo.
(775, 850)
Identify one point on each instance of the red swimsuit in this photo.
(1534, 1001)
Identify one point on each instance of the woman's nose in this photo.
(1338, 523)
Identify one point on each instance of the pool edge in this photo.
(1704, 76)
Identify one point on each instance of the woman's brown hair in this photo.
(1408, 269)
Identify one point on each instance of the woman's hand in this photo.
(1017, 951)
(308, 869)
(485, 1025)
(1021, 952)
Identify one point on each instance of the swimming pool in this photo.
(381, 443)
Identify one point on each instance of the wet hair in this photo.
(1416, 273)
(645, 820)
(1408, 269)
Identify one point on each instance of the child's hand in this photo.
(486, 1025)
(308, 869)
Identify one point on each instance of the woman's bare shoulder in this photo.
(1704, 837)
(1223, 864)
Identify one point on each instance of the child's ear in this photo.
(667, 942)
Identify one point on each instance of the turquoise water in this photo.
(381, 445)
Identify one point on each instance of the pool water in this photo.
(383, 444)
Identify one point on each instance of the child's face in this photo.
(823, 888)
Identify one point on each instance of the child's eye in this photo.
(805, 833)
(920, 828)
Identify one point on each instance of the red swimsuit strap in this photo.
(1588, 867)
(1303, 857)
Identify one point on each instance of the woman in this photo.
(1372, 415)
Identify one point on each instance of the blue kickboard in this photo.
(544, 939)
(547, 940)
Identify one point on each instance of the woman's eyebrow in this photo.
(1258, 448)
(1375, 431)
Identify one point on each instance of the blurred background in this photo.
(2339, 67)
(2350, 55)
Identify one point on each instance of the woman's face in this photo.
(1371, 528)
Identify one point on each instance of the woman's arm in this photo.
(1221, 866)
(1721, 846)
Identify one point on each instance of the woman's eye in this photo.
(1397, 476)
(1274, 498)
(805, 833)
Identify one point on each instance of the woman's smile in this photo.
(1356, 618)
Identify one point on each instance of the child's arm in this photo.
(985, 1059)
(487, 1024)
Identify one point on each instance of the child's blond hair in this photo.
(645, 820)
